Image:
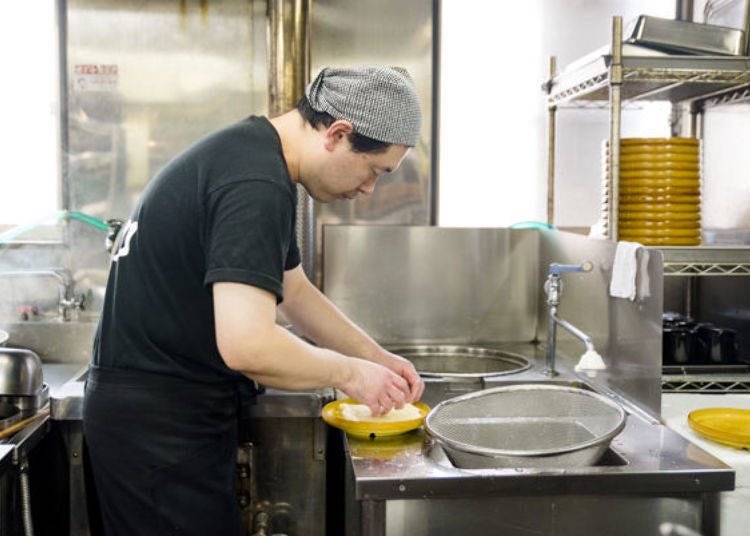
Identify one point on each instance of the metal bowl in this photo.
(527, 425)
(9, 415)
(466, 362)
(20, 372)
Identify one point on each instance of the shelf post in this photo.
(551, 146)
(615, 113)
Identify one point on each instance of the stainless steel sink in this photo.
(461, 362)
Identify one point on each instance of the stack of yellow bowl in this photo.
(659, 191)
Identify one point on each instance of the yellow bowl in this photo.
(667, 233)
(660, 183)
(651, 190)
(695, 167)
(659, 224)
(333, 415)
(660, 174)
(660, 241)
(691, 208)
(692, 150)
(728, 426)
(653, 216)
(659, 141)
(644, 198)
(674, 158)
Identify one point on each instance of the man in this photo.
(191, 300)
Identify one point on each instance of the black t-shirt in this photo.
(223, 210)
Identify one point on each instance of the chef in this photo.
(206, 259)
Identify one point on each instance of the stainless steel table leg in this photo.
(373, 518)
(79, 520)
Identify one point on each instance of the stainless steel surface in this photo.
(181, 70)
(288, 53)
(650, 474)
(67, 300)
(533, 425)
(670, 78)
(409, 284)
(9, 414)
(626, 334)
(685, 36)
(29, 404)
(55, 342)
(616, 79)
(278, 404)
(713, 382)
(705, 260)
(551, 113)
(461, 362)
(395, 33)
(290, 459)
(20, 372)
(553, 287)
(732, 13)
(531, 514)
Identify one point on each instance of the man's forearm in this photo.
(312, 313)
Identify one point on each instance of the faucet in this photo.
(553, 287)
(67, 300)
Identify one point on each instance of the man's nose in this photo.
(368, 187)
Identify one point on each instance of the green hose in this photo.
(14, 232)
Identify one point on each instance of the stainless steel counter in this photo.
(391, 479)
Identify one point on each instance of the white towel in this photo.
(625, 272)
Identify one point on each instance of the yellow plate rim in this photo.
(332, 415)
(713, 423)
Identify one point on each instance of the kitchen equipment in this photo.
(729, 426)
(684, 37)
(9, 415)
(20, 372)
(332, 414)
(461, 362)
(21, 381)
(530, 425)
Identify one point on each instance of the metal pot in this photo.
(20, 372)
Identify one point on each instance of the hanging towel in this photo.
(625, 272)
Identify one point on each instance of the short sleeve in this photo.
(249, 228)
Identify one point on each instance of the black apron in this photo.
(163, 453)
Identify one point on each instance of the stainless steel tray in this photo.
(685, 37)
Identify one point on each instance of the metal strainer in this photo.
(530, 425)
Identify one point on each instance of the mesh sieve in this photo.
(525, 420)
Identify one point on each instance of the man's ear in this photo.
(337, 132)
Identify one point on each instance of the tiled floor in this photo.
(735, 505)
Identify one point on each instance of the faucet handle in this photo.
(557, 269)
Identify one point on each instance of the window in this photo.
(29, 112)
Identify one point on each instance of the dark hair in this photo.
(360, 143)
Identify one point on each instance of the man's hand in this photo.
(374, 385)
(405, 369)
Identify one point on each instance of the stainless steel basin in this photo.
(466, 362)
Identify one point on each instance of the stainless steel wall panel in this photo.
(390, 32)
(410, 284)
(177, 71)
(627, 334)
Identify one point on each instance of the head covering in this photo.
(380, 102)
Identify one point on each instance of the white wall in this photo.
(493, 124)
(29, 133)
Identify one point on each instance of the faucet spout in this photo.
(553, 287)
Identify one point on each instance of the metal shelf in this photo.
(709, 383)
(713, 79)
(706, 260)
